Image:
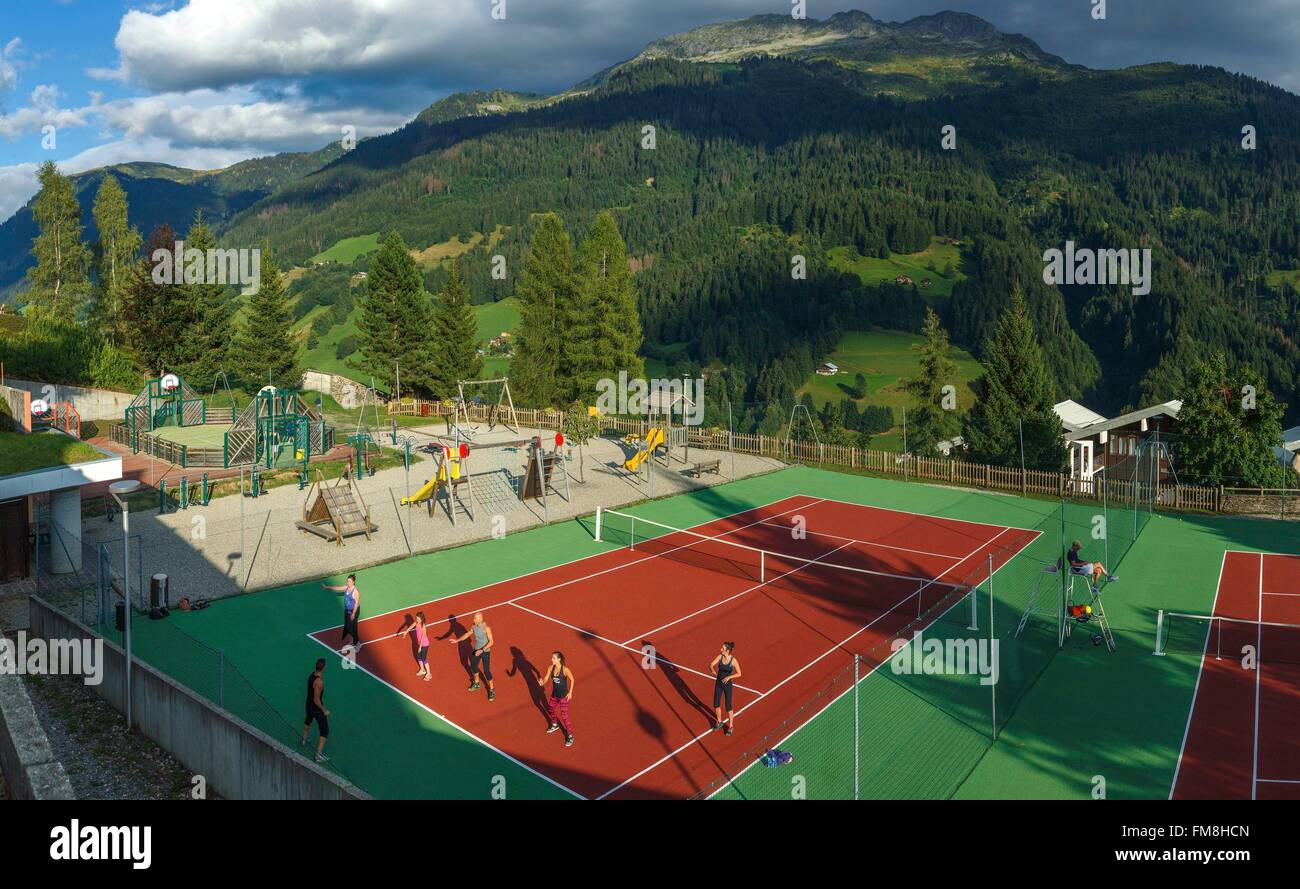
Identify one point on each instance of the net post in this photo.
(631, 533)
(993, 687)
(1160, 626)
(762, 566)
(856, 745)
(974, 608)
(598, 515)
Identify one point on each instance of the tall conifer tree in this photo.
(547, 289)
(456, 354)
(603, 321)
(267, 350)
(1015, 392)
(931, 421)
(396, 323)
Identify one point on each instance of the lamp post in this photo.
(119, 490)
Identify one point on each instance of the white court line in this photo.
(462, 730)
(574, 562)
(1200, 671)
(942, 518)
(1277, 781)
(1267, 593)
(778, 577)
(1259, 665)
(919, 552)
(830, 651)
(639, 651)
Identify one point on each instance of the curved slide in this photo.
(423, 494)
(654, 438)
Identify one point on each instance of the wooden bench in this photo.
(698, 469)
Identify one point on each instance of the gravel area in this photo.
(102, 759)
(200, 548)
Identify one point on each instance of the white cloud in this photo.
(17, 185)
(8, 70)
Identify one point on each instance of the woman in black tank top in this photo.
(727, 670)
(557, 682)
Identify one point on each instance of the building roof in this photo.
(1291, 439)
(1075, 416)
(1164, 408)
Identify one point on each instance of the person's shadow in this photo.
(408, 621)
(521, 665)
(675, 678)
(463, 650)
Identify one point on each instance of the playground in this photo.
(171, 421)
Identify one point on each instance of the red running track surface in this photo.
(644, 733)
(1243, 735)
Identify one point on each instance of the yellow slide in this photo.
(423, 494)
(432, 484)
(654, 439)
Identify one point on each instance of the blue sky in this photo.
(206, 83)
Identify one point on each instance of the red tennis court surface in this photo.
(1243, 734)
(645, 733)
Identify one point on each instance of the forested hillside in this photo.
(774, 140)
(747, 172)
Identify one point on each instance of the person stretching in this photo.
(351, 612)
(421, 631)
(1093, 570)
(480, 662)
(726, 669)
(316, 711)
(561, 692)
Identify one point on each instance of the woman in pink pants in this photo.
(560, 678)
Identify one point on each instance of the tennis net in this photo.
(819, 576)
(1227, 637)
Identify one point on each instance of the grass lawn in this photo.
(41, 450)
(916, 266)
(1274, 279)
(885, 357)
(348, 249)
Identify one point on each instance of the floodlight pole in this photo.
(117, 489)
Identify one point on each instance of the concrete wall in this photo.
(19, 402)
(238, 761)
(91, 404)
(347, 393)
(26, 758)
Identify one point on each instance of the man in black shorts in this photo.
(316, 710)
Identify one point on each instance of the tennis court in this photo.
(1243, 733)
(801, 585)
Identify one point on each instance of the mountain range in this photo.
(777, 137)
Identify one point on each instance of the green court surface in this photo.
(1090, 716)
(207, 435)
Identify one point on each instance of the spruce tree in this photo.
(1015, 391)
(604, 324)
(396, 322)
(931, 421)
(547, 290)
(158, 315)
(455, 332)
(266, 349)
(60, 283)
(115, 253)
(209, 337)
